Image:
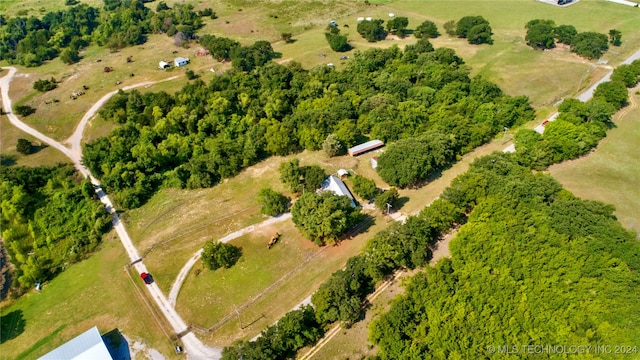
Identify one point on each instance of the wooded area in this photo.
(208, 132)
(50, 219)
(31, 41)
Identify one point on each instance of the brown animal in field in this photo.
(273, 240)
(108, 69)
(129, 59)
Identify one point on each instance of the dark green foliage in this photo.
(44, 85)
(613, 92)
(340, 297)
(332, 146)
(220, 48)
(589, 44)
(450, 27)
(216, 255)
(372, 30)
(528, 250)
(475, 29)
(206, 132)
(615, 37)
(291, 174)
(364, 187)
(398, 25)
(30, 41)
(324, 218)
(246, 58)
(286, 37)
(628, 74)
(69, 56)
(389, 197)
(162, 6)
(24, 110)
(427, 29)
(71, 2)
(191, 75)
(409, 161)
(5, 273)
(295, 330)
(272, 202)
(24, 146)
(337, 42)
(47, 221)
(565, 33)
(540, 34)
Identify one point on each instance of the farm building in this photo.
(88, 345)
(336, 186)
(342, 173)
(374, 162)
(163, 65)
(363, 148)
(180, 61)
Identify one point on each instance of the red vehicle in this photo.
(545, 122)
(148, 279)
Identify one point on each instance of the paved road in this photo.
(182, 275)
(194, 348)
(584, 96)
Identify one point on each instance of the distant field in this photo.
(94, 292)
(610, 174)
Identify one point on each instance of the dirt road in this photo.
(194, 348)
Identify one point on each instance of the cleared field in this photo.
(9, 136)
(611, 173)
(94, 292)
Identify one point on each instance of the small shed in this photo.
(342, 173)
(363, 148)
(180, 61)
(392, 15)
(369, 18)
(163, 65)
(374, 162)
(360, 19)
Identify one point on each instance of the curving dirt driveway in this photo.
(194, 348)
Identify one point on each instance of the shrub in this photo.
(216, 255)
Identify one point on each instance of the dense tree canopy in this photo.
(272, 202)
(372, 30)
(427, 29)
(540, 34)
(589, 44)
(475, 29)
(324, 217)
(398, 25)
(49, 220)
(207, 132)
(31, 41)
(527, 252)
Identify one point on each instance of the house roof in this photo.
(337, 187)
(86, 346)
(369, 145)
(181, 59)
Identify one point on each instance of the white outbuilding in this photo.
(180, 61)
(163, 65)
(86, 346)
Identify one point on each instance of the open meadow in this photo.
(94, 292)
(610, 173)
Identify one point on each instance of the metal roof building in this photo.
(336, 186)
(362, 148)
(86, 346)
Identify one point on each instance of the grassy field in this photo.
(9, 136)
(94, 292)
(610, 174)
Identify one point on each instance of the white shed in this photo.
(180, 61)
(163, 65)
(342, 172)
(360, 19)
(392, 15)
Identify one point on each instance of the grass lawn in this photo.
(610, 174)
(94, 292)
(9, 136)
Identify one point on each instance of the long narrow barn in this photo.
(363, 148)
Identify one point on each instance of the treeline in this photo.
(30, 41)
(543, 34)
(243, 58)
(208, 132)
(580, 126)
(533, 265)
(50, 219)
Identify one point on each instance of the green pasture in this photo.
(95, 292)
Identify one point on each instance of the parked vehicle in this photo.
(148, 279)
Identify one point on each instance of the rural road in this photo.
(194, 348)
(182, 275)
(584, 96)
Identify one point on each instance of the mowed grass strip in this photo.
(611, 173)
(94, 292)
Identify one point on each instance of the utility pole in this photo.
(389, 208)
(505, 131)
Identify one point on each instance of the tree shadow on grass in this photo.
(7, 160)
(11, 325)
(398, 204)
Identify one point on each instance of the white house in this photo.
(163, 65)
(336, 186)
(180, 61)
